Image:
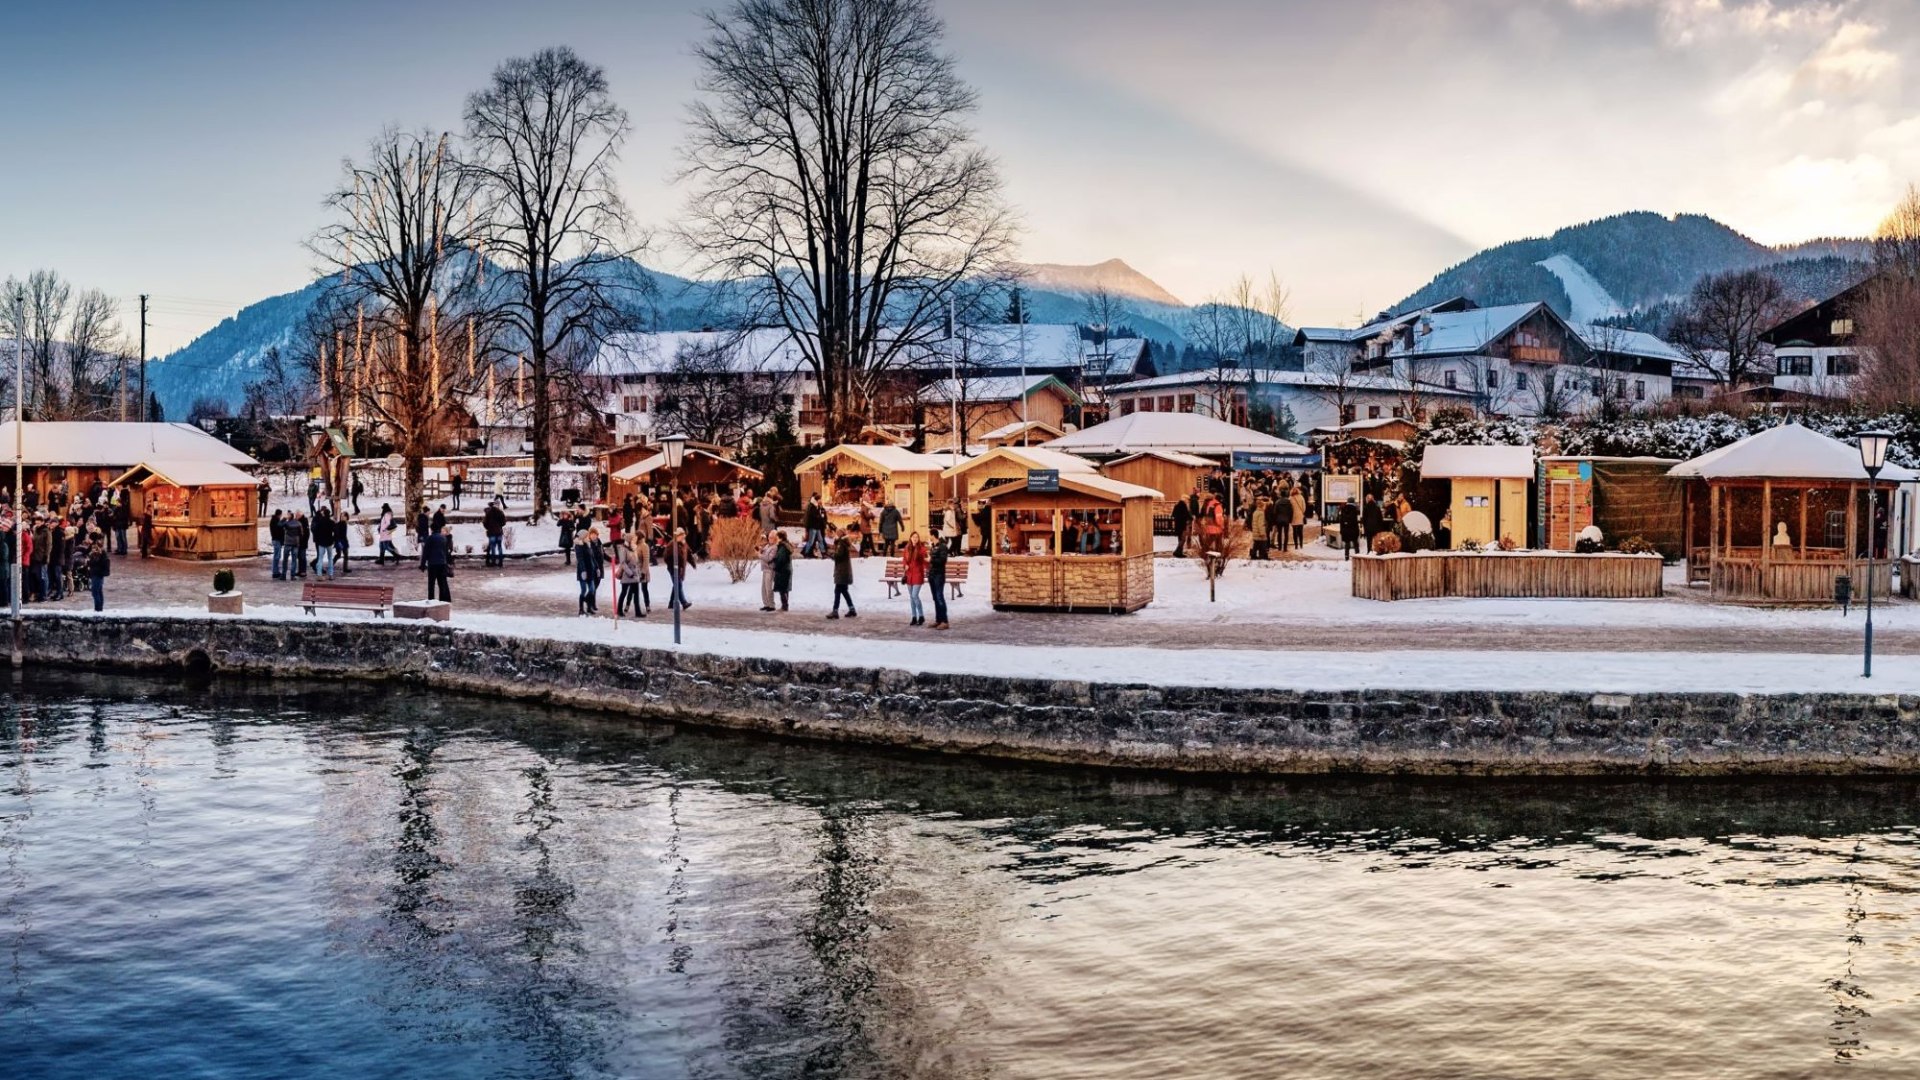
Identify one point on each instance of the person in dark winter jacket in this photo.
(889, 529)
(589, 568)
(566, 536)
(937, 582)
(843, 549)
(494, 521)
(99, 564)
(122, 520)
(678, 559)
(1182, 523)
(1349, 528)
(815, 545)
(277, 534)
(436, 556)
(1371, 521)
(782, 568)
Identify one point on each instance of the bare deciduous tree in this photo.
(75, 353)
(404, 315)
(712, 394)
(835, 173)
(1887, 314)
(543, 139)
(1719, 328)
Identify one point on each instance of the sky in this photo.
(1353, 148)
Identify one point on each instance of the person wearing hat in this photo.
(843, 573)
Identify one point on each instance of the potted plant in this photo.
(224, 599)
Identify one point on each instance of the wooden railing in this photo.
(1541, 574)
(1793, 581)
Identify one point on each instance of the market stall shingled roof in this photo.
(1788, 452)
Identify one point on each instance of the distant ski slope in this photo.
(1590, 300)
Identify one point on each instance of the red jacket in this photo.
(914, 564)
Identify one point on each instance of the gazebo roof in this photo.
(1788, 452)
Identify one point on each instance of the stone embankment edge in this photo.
(1195, 729)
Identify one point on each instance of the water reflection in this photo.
(274, 882)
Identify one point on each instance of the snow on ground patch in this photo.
(1590, 299)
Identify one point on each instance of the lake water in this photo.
(260, 881)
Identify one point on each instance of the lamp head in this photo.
(1873, 450)
(674, 448)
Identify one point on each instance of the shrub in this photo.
(1469, 545)
(1413, 541)
(1638, 545)
(735, 544)
(1588, 546)
(223, 581)
(1507, 544)
(1386, 543)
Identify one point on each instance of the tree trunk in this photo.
(541, 430)
(413, 486)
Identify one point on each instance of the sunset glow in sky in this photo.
(1354, 148)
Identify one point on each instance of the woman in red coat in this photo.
(913, 573)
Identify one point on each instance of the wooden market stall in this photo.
(1489, 490)
(700, 470)
(1173, 474)
(1778, 516)
(1085, 545)
(849, 473)
(201, 509)
(997, 466)
(74, 455)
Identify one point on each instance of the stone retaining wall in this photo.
(1184, 728)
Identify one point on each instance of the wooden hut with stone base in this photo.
(1779, 516)
(1085, 544)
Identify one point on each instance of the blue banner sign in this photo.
(1043, 480)
(1257, 460)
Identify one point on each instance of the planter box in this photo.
(226, 603)
(436, 610)
(1542, 574)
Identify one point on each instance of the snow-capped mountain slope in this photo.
(1589, 300)
(1113, 275)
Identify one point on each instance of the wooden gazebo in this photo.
(1778, 516)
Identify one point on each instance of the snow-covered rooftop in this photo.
(1188, 433)
(1627, 342)
(1788, 452)
(1215, 376)
(996, 388)
(187, 474)
(107, 444)
(1477, 462)
(1032, 457)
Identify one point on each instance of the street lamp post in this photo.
(1873, 456)
(674, 449)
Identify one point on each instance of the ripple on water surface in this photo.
(262, 882)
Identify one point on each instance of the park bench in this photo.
(896, 570)
(375, 598)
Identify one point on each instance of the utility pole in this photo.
(143, 362)
(19, 483)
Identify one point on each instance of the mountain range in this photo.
(1632, 268)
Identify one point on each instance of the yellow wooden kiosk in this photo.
(1778, 516)
(1489, 499)
(884, 474)
(201, 509)
(1173, 474)
(1078, 542)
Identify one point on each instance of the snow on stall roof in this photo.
(891, 459)
(1034, 457)
(107, 444)
(1174, 456)
(648, 464)
(996, 388)
(190, 474)
(1788, 452)
(1007, 431)
(1186, 432)
(1477, 462)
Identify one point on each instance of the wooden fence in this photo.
(1517, 574)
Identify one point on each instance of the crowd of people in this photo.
(66, 544)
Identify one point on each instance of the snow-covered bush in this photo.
(1386, 543)
(1593, 533)
(1586, 546)
(1638, 545)
(1410, 540)
(1417, 523)
(1507, 543)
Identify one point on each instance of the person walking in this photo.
(815, 544)
(769, 550)
(494, 521)
(1299, 517)
(629, 570)
(1371, 522)
(913, 574)
(313, 495)
(588, 561)
(277, 535)
(678, 559)
(866, 521)
(937, 584)
(386, 530)
(1349, 528)
(422, 528)
(1257, 526)
(457, 483)
(889, 529)
(782, 568)
(843, 573)
(342, 543)
(99, 565)
(770, 511)
(566, 536)
(436, 555)
(357, 491)
(1182, 522)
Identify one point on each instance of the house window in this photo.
(1841, 327)
(1373, 412)
(1493, 379)
(1597, 387)
(1399, 413)
(633, 403)
(1166, 403)
(1346, 414)
(1126, 406)
(1694, 393)
(1186, 402)
(1452, 379)
(1796, 365)
(1520, 380)
(1639, 389)
(1620, 388)
(1843, 364)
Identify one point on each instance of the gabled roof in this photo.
(1620, 342)
(1787, 452)
(1309, 380)
(998, 388)
(1188, 433)
(1083, 483)
(186, 474)
(886, 459)
(1033, 457)
(106, 444)
(1477, 462)
(1015, 429)
(1191, 461)
(648, 464)
(1454, 333)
